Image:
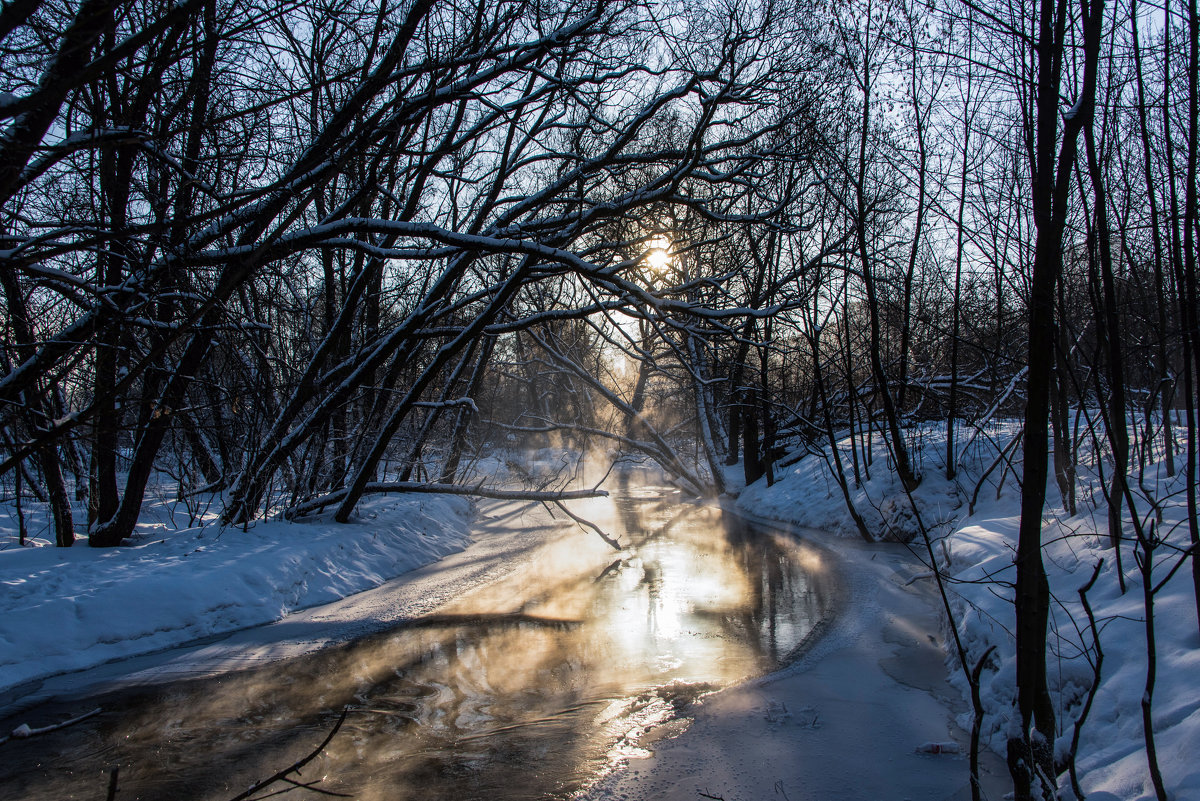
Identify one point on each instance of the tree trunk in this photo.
(1117, 425)
(1031, 754)
(35, 413)
(1188, 290)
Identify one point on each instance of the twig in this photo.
(614, 544)
(977, 720)
(1096, 666)
(295, 768)
(310, 786)
(112, 783)
(1001, 458)
(23, 731)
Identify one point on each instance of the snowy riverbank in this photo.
(66, 609)
(976, 552)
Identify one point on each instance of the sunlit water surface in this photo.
(531, 687)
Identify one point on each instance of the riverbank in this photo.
(183, 579)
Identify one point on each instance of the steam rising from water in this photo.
(528, 686)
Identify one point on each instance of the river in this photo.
(531, 686)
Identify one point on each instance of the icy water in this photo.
(528, 688)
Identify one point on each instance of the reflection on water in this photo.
(526, 688)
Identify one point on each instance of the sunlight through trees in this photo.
(283, 257)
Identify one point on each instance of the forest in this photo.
(283, 257)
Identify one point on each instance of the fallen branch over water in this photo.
(543, 496)
(588, 524)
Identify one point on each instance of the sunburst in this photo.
(658, 258)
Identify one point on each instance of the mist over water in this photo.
(530, 687)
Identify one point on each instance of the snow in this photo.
(1112, 758)
(876, 707)
(69, 609)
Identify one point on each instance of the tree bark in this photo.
(1031, 754)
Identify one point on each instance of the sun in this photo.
(658, 257)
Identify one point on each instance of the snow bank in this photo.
(64, 609)
(806, 493)
(1112, 752)
(977, 550)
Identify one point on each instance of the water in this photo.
(528, 688)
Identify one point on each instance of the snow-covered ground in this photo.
(976, 550)
(183, 579)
